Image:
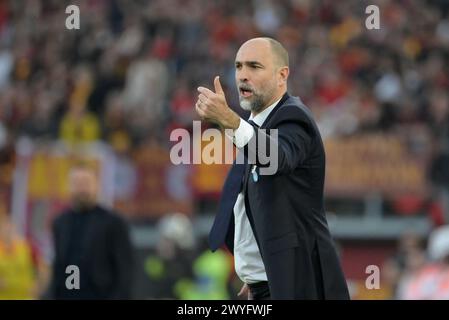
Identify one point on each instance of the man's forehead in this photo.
(255, 50)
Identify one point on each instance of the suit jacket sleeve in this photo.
(295, 135)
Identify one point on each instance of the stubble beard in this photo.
(258, 100)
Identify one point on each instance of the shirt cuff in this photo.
(242, 134)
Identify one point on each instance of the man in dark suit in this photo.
(274, 223)
(93, 239)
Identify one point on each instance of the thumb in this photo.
(217, 85)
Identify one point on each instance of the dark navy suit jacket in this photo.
(286, 209)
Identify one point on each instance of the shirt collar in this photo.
(260, 118)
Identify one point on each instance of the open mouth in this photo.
(245, 92)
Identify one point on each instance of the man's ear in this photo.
(283, 75)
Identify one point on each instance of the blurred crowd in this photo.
(128, 76)
(129, 73)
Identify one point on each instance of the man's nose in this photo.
(242, 75)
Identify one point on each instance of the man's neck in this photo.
(275, 98)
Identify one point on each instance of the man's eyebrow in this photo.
(249, 63)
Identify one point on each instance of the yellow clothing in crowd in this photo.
(79, 130)
(17, 278)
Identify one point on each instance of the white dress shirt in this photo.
(247, 259)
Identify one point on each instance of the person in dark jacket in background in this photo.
(92, 247)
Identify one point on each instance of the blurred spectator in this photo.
(146, 87)
(17, 274)
(95, 240)
(211, 275)
(79, 126)
(430, 282)
(175, 253)
(181, 104)
(438, 116)
(41, 124)
(116, 132)
(438, 165)
(409, 258)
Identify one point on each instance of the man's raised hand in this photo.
(212, 106)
